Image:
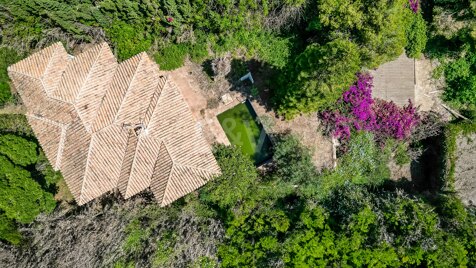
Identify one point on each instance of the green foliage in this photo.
(15, 123)
(128, 40)
(253, 239)
(318, 77)
(452, 131)
(171, 57)
(364, 163)
(165, 249)
(136, 234)
(461, 81)
(19, 150)
(205, 262)
(237, 178)
(21, 198)
(416, 36)
(401, 155)
(293, 161)
(5, 93)
(50, 176)
(8, 230)
(340, 15)
(452, 41)
(8, 56)
(123, 264)
(198, 52)
(22, 178)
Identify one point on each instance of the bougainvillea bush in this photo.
(413, 5)
(357, 110)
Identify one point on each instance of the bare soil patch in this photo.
(465, 171)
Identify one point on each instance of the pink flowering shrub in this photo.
(413, 5)
(359, 111)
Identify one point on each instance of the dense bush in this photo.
(353, 225)
(318, 77)
(416, 36)
(132, 26)
(8, 56)
(235, 182)
(461, 81)
(452, 42)
(363, 163)
(19, 150)
(27, 180)
(21, 198)
(8, 230)
(128, 40)
(171, 57)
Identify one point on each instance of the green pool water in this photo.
(243, 130)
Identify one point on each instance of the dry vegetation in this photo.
(95, 235)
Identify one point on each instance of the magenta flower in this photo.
(359, 111)
(413, 5)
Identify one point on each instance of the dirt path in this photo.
(428, 90)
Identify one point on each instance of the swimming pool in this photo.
(243, 130)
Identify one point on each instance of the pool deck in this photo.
(198, 105)
(306, 127)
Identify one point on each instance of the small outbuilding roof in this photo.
(395, 81)
(110, 125)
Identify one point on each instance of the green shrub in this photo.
(21, 197)
(165, 249)
(8, 56)
(237, 178)
(19, 150)
(50, 176)
(128, 40)
(318, 77)
(15, 123)
(8, 230)
(461, 81)
(401, 154)
(5, 93)
(136, 235)
(198, 52)
(416, 36)
(171, 57)
(452, 131)
(365, 163)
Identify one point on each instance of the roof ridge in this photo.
(9, 68)
(169, 175)
(194, 167)
(81, 197)
(89, 71)
(59, 155)
(130, 83)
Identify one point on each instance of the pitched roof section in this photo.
(107, 125)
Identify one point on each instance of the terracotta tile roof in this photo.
(110, 125)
